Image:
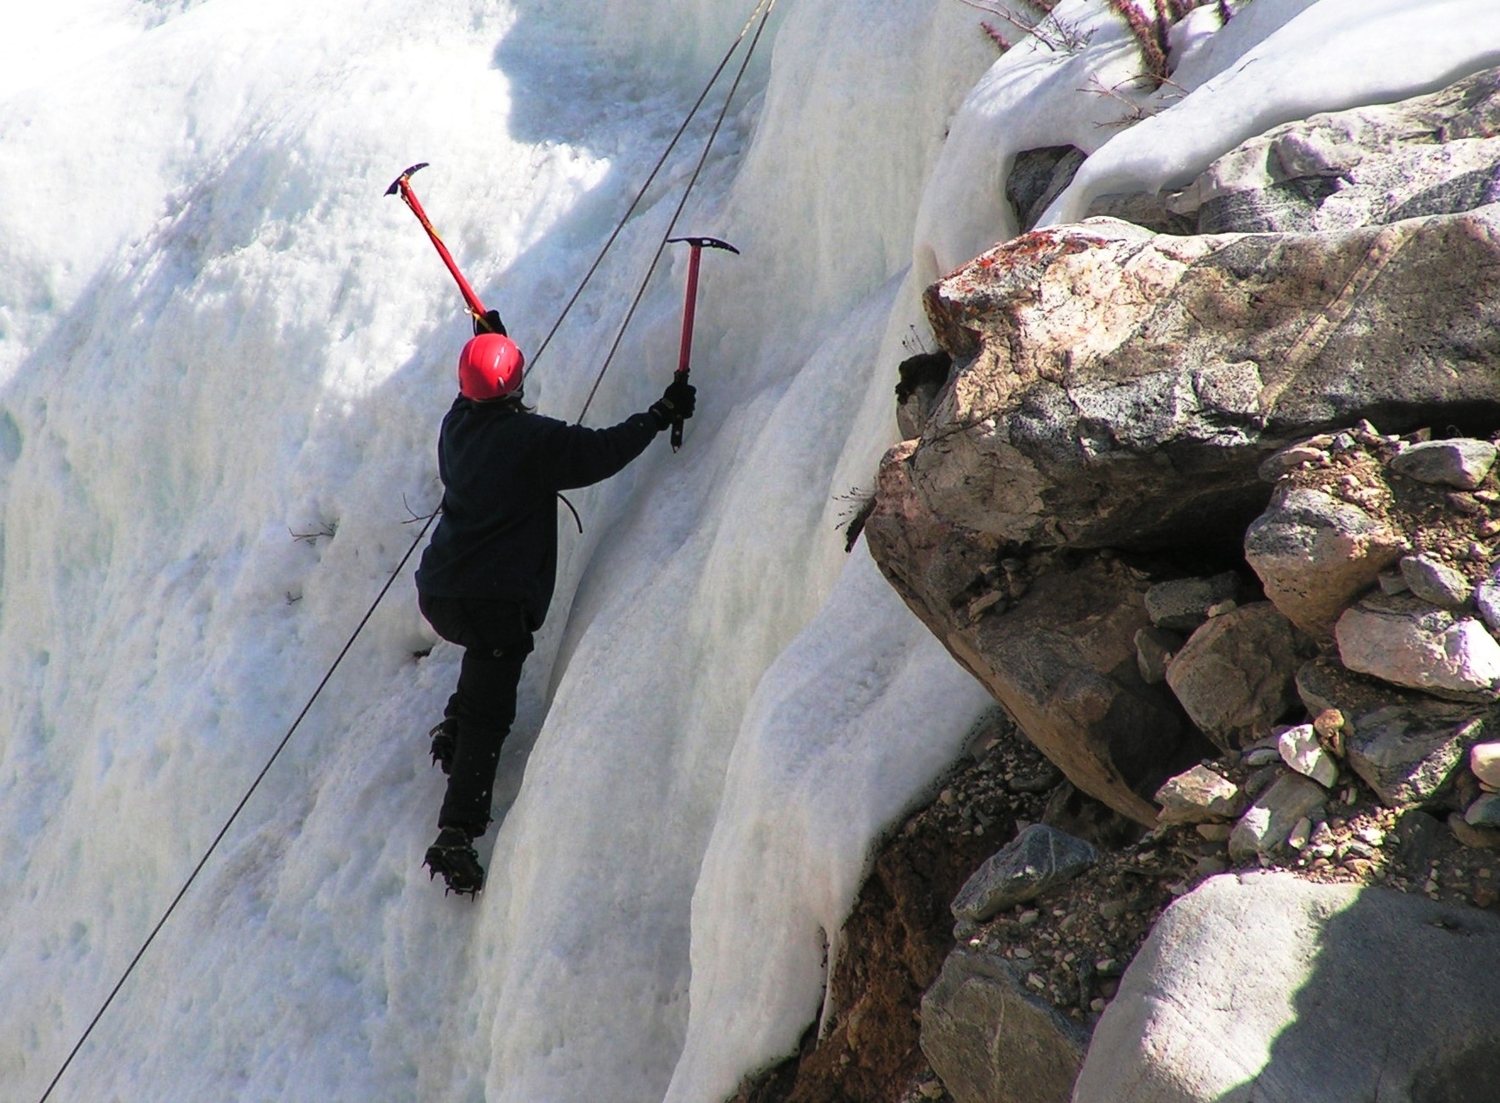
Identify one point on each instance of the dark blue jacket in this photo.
(501, 469)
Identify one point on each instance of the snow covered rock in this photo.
(1339, 993)
(1428, 155)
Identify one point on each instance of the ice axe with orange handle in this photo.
(698, 244)
(402, 185)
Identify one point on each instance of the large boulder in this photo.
(1054, 643)
(1120, 388)
(1266, 987)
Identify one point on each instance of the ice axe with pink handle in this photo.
(402, 186)
(698, 244)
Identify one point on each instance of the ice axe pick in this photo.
(697, 244)
(402, 185)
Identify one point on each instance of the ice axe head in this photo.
(396, 183)
(696, 242)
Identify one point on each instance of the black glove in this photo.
(675, 404)
(490, 323)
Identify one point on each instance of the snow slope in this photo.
(223, 357)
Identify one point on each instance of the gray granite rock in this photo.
(1263, 986)
(1182, 604)
(1037, 860)
(1235, 676)
(1434, 581)
(990, 1041)
(1407, 755)
(1408, 642)
(1264, 827)
(1314, 554)
(1462, 463)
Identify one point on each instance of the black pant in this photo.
(496, 641)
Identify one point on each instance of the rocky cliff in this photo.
(1203, 490)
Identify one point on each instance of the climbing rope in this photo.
(640, 294)
(762, 11)
(662, 160)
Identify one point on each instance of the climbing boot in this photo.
(453, 855)
(444, 743)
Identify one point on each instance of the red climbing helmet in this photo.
(490, 367)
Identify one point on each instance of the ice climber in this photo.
(486, 577)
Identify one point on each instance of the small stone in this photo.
(1039, 859)
(1215, 832)
(1262, 756)
(1273, 467)
(1209, 866)
(1110, 910)
(1029, 918)
(1197, 795)
(1107, 967)
(1484, 763)
(1479, 838)
(1022, 953)
(946, 796)
(1462, 462)
(1487, 601)
(1484, 812)
(1330, 725)
(1371, 834)
(1096, 1005)
(1300, 749)
(1269, 821)
(1182, 604)
(1219, 608)
(1035, 981)
(1391, 582)
(1154, 648)
(983, 604)
(1432, 580)
(1298, 838)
